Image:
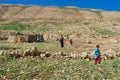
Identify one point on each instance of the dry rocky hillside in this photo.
(87, 26)
(37, 14)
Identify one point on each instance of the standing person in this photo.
(38, 37)
(61, 41)
(97, 55)
(71, 41)
(67, 36)
(50, 36)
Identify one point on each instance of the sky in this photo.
(109, 5)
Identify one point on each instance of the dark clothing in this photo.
(40, 38)
(62, 42)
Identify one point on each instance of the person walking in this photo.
(97, 55)
(61, 41)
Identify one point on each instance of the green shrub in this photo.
(14, 26)
(107, 32)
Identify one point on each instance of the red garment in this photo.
(71, 42)
(97, 60)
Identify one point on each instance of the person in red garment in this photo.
(97, 55)
(71, 41)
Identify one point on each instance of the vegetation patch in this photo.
(58, 68)
(7, 46)
(98, 12)
(99, 29)
(48, 27)
(107, 32)
(14, 26)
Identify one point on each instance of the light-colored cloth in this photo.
(96, 53)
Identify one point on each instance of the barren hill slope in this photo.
(49, 17)
(9, 13)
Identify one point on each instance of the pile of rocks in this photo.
(3, 37)
(29, 53)
(19, 38)
(106, 55)
(110, 54)
(33, 52)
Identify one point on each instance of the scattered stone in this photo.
(1, 52)
(109, 54)
(42, 55)
(89, 42)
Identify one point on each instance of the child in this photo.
(97, 55)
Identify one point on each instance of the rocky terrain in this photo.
(24, 57)
(87, 27)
